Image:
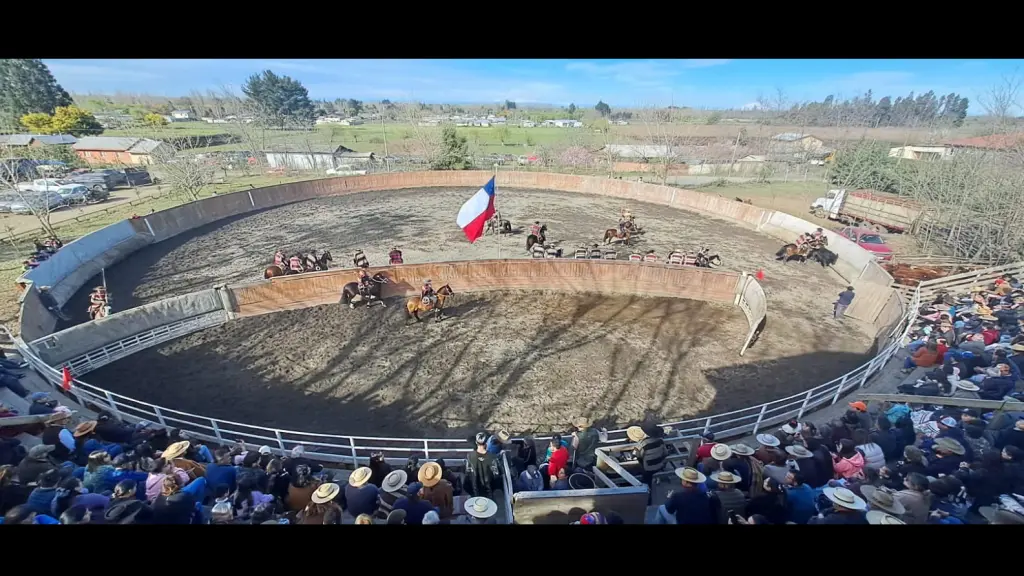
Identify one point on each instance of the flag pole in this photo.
(498, 229)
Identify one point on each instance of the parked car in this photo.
(77, 194)
(42, 202)
(40, 185)
(96, 181)
(870, 241)
(137, 177)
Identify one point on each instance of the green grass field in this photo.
(401, 138)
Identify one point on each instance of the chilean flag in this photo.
(475, 213)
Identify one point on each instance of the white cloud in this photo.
(705, 62)
(92, 72)
(642, 73)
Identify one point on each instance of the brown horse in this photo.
(415, 305)
(790, 251)
(614, 234)
(273, 271)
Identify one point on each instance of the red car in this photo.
(868, 240)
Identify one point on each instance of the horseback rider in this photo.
(395, 256)
(97, 300)
(535, 229)
(427, 292)
(650, 256)
(279, 258)
(365, 282)
(801, 240)
(310, 261)
(359, 259)
(39, 247)
(295, 264)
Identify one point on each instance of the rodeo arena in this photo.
(561, 350)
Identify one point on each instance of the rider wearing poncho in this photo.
(427, 291)
(97, 299)
(279, 258)
(295, 263)
(395, 256)
(535, 229)
(359, 259)
(365, 282)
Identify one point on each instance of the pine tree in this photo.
(26, 87)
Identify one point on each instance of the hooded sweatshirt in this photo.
(852, 467)
(874, 457)
(155, 483)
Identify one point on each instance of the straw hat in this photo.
(1000, 515)
(797, 451)
(767, 440)
(949, 445)
(325, 493)
(635, 434)
(175, 450)
(1017, 347)
(1019, 424)
(582, 422)
(481, 507)
(877, 517)
(429, 474)
(967, 386)
(792, 429)
(845, 498)
(721, 452)
(503, 436)
(741, 450)
(976, 289)
(725, 477)
(85, 428)
(882, 500)
(988, 317)
(359, 477)
(394, 480)
(691, 475)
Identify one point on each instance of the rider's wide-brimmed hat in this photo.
(767, 440)
(691, 475)
(882, 500)
(175, 450)
(878, 517)
(481, 507)
(721, 452)
(325, 493)
(430, 474)
(798, 451)
(360, 477)
(582, 422)
(741, 450)
(635, 434)
(394, 480)
(845, 498)
(85, 428)
(725, 477)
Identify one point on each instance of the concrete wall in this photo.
(565, 275)
(37, 321)
(565, 507)
(78, 340)
(754, 303)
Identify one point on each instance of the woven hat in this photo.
(967, 386)
(175, 450)
(797, 451)
(725, 477)
(949, 445)
(481, 507)
(845, 498)
(85, 428)
(790, 429)
(878, 517)
(635, 434)
(1017, 347)
(266, 450)
(360, 477)
(721, 452)
(325, 493)
(394, 480)
(429, 474)
(503, 436)
(40, 451)
(582, 422)
(882, 500)
(691, 475)
(741, 449)
(767, 440)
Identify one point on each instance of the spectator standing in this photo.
(481, 510)
(437, 491)
(585, 440)
(391, 489)
(650, 453)
(380, 469)
(413, 504)
(302, 486)
(689, 504)
(361, 497)
(844, 301)
(768, 449)
(726, 499)
(559, 459)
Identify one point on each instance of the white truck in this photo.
(869, 208)
(48, 185)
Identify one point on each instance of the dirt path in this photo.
(525, 361)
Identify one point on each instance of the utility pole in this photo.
(383, 130)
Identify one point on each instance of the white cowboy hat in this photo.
(967, 386)
(721, 452)
(797, 451)
(265, 450)
(635, 434)
(360, 477)
(503, 436)
(741, 449)
(325, 493)
(394, 480)
(791, 430)
(691, 475)
(882, 500)
(1017, 347)
(725, 477)
(582, 422)
(879, 517)
(481, 507)
(845, 498)
(767, 440)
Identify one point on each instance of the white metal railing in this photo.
(508, 486)
(357, 449)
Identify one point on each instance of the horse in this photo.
(823, 256)
(415, 305)
(707, 260)
(790, 251)
(534, 239)
(350, 293)
(273, 271)
(614, 234)
(742, 201)
(319, 263)
(99, 312)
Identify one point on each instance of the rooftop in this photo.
(311, 149)
(118, 144)
(993, 142)
(46, 139)
(790, 137)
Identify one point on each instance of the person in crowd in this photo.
(822, 463)
(177, 506)
(431, 518)
(38, 460)
(530, 480)
(924, 357)
(948, 455)
(707, 441)
(687, 504)
(158, 470)
(847, 462)
(561, 481)
(25, 514)
(12, 491)
(39, 500)
(883, 499)
(496, 443)
(847, 508)
(915, 498)
(948, 504)
(414, 506)
(76, 515)
(889, 440)
(391, 489)
(302, 485)
(99, 473)
(650, 452)
(585, 440)
(481, 510)
(749, 469)
(482, 469)
(222, 471)
(800, 498)
(874, 456)
(864, 419)
(361, 497)
(436, 490)
(379, 469)
(559, 460)
(1011, 437)
(322, 502)
(778, 469)
(412, 463)
(772, 503)
(725, 498)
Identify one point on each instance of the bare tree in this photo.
(38, 203)
(244, 120)
(661, 141)
(425, 140)
(182, 170)
(1002, 102)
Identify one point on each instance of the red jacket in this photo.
(559, 460)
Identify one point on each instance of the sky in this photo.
(699, 83)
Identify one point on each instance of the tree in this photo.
(1002, 102)
(186, 174)
(37, 122)
(571, 109)
(603, 109)
(510, 105)
(280, 99)
(26, 87)
(454, 151)
(65, 120)
(353, 107)
(154, 120)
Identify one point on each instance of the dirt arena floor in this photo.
(521, 360)
(523, 351)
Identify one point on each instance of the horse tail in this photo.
(782, 251)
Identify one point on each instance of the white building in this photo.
(182, 115)
(921, 152)
(316, 157)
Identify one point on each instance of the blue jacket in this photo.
(40, 498)
(801, 503)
